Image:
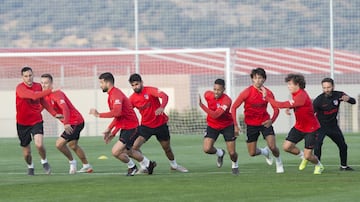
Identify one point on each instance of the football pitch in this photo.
(257, 181)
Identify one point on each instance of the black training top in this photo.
(327, 107)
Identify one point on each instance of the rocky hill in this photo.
(178, 23)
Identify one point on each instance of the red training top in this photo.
(218, 110)
(29, 103)
(121, 109)
(62, 105)
(306, 121)
(147, 102)
(255, 107)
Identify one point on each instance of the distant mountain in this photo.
(178, 23)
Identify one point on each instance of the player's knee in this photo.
(232, 154)
(272, 148)
(39, 146)
(343, 147)
(58, 145)
(207, 149)
(73, 145)
(116, 153)
(136, 147)
(286, 148)
(308, 156)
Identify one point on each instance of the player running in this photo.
(257, 119)
(326, 107)
(73, 125)
(29, 121)
(219, 120)
(153, 119)
(124, 119)
(306, 125)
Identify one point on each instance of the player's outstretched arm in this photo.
(23, 92)
(348, 99)
(298, 101)
(116, 111)
(94, 112)
(214, 114)
(47, 106)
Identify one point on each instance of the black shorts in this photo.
(76, 132)
(162, 132)
(296, 136)
(228, 133)
(128, 137)
(253, 132)
(25, 133)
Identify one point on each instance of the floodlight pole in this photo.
(228, 69)
(331, 40)
(137, 68)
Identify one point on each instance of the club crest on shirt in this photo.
(224, 107)
(62, 101)
(336, 102)
(218, 105)
(146, 96)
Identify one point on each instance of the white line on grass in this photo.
(242, 171)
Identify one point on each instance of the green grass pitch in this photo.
(205, 182)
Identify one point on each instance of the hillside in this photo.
(178, 23)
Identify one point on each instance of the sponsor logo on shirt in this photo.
(62, 101)
(117, 102)
(146, 96)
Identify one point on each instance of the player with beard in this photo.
(326, 107)
(124, 119)
(219, 121)
(153, 118)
